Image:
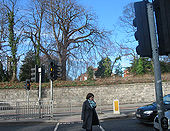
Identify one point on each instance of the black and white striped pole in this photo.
(39, 71)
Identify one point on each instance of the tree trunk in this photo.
(63, 60)
(38, 54)
(63, 72)
(13, 43)
(14, 74)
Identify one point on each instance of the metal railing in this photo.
(25, 109)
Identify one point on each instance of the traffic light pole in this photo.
(27, 86)
(51, 88)
(157, 71)
(39, 70)
(28, 95)
(39, 98)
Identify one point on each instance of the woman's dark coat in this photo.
(89, 116)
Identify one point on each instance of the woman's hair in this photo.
(89, 95)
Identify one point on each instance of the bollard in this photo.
(116, 106)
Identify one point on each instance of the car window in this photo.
(154, 103)
(166, 98)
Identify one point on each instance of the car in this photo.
(147, 113)
(156, 122)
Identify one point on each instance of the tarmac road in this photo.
(121, 124)
(28, 127)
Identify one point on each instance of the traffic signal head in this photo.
(52, 65)
(162, 13)
(58, 71)
(34, 74)
(54, 70)
(27, 85)
(142, 34)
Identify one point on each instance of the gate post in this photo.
(17, 111)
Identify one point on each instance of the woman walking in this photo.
(89, 115)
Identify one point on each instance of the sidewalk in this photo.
(126, 110)
(107, 114)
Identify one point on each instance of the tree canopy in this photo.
(104, 68)
(28, 63)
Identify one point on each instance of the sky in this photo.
(108, 13)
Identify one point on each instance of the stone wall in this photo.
(104, 95)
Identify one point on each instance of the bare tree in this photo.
(74, 29)
(35, 28)
(65, 30)
(127, 46)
